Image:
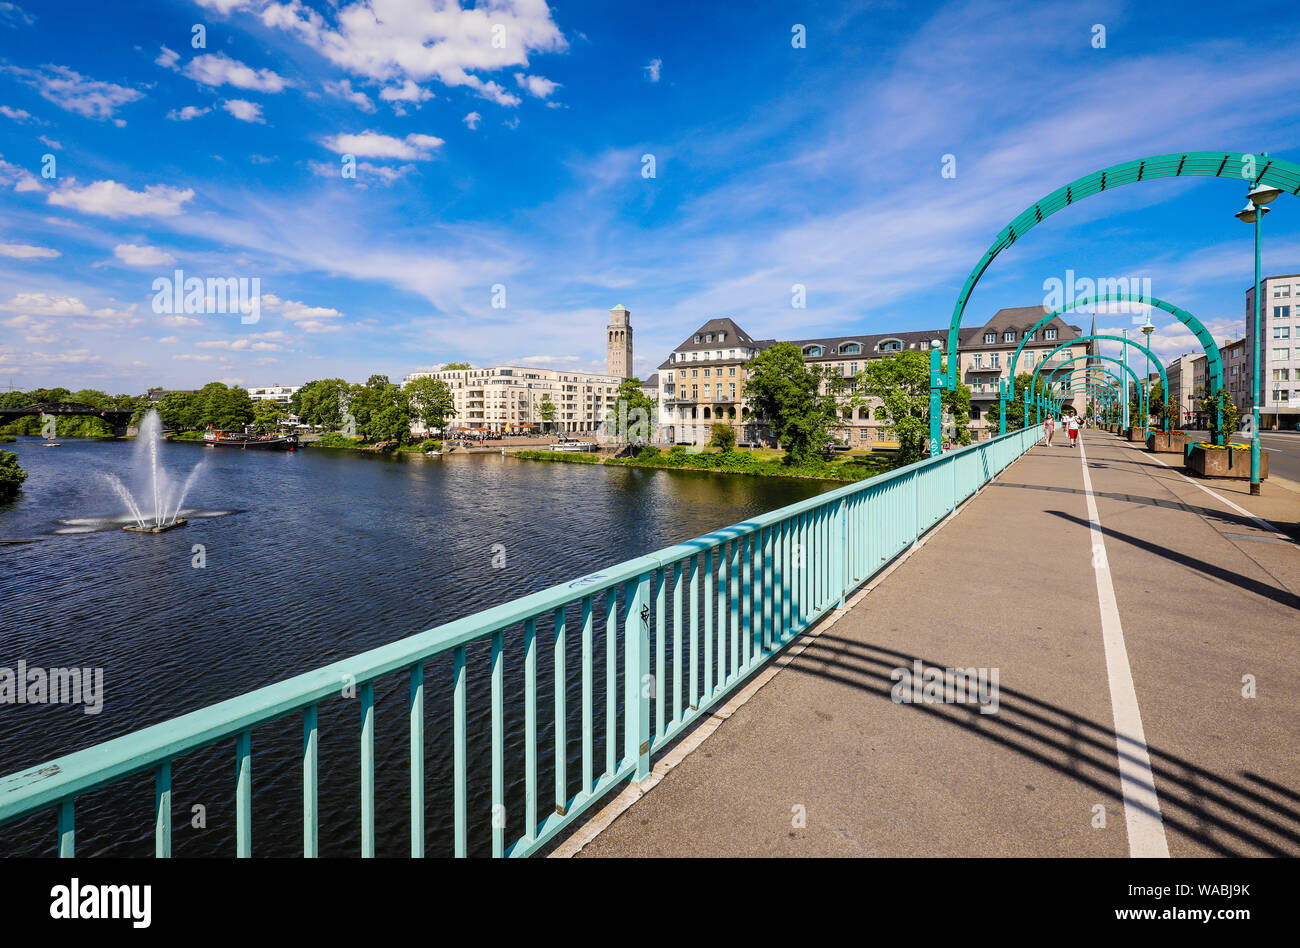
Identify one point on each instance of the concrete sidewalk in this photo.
(821, 761)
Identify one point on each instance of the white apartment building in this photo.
(508, 399)
(1279, 348)
(273, 393)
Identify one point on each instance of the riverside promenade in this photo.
(1144, 629)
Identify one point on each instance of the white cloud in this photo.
(225, 6)
(187, 113)
(110, 199)
(177, 320)
(652, 69)
(11, 14)
(396, 40)
(408, 91)
(343, 89)
(48, 304)
(72, 91)
(20, 178)
(218, 69)
(239, 345)
(18, 115)
(191, 357)
(244, 110)
(27, 252)
(167, 58)
(51, 143)
(374, 145)
(137, 256)
(170, 339)
(472, 120)
(538, 87)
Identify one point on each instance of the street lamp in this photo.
(1253, 213)
(1147, 330)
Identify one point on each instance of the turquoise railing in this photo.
(765, 580)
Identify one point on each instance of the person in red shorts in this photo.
(1072, 426)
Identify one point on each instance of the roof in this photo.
(1018, 319)
(870, 342)
(714, 326)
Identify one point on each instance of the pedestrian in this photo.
(1049, 429)
(1072, 426)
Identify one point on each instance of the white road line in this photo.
(1264, 524)
(1146, 828)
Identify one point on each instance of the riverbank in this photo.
(728, 462)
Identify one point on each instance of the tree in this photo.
(1015, 404)
(900, 381)
(1207, 403)
(450, 366)
(632, 414)
(229, 408)
(268, 415)
(321, 403)
(786, 391)
(431, 401)
(382, 410)
(11, 475)
(546, 408)
(724, 437)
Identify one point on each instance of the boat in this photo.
(228, 439)
(584, 446)
(51, 443)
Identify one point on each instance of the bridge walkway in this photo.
(1148, 632)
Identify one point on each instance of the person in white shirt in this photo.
(1072, 426)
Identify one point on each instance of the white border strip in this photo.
(1146, 828)
(1263, 524)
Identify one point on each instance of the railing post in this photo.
(636, 678)
(841, 551)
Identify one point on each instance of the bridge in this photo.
(117, 420)
(1006, 649)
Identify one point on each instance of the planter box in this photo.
(1138, 434)
(1158, 442)
(1221, 462)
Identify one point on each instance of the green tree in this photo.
(632, 416)
(788, 392)
(11, 475)
(900, 381)
(1016, 404)
(382, 410)
(546, 408)
(321, 403)
(431, 401)
(724, 437)
(456, 365)
(268, 415)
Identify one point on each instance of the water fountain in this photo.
(153, 484)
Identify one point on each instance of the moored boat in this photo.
(227, 439)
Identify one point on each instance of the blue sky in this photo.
(520, 164)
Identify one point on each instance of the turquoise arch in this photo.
(1246, 167)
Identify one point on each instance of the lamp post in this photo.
(1126, 399)
(1253, 213)
(1147, 330)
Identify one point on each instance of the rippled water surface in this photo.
(311, 556)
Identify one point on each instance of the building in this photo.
(702, 382)
(1236, 356)
(618, 343)
(1279, 349)
(1182, 389)
(273, 393)
(509, 399)
(985, 352)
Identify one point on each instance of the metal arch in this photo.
(1215, 164)
(1164, 378)
(1213, 359)
(1051, 376)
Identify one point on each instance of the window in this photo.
(697, 337)
(732, 371)
(891, 345)
(1049, 333)
(695, 373)
(732, 393)
(1281, 375)
(812, 351)
(1281, 312)
(1281, 353)
(1281, 292)
(1009, 336)
(695, 392)
(1281, 332)
(853, 368)
(1029, 337)
(722, 337)
(990, 338)
(851, 348)
(1029, 360)
(979, 360)
(995, 360)
(1280, 395)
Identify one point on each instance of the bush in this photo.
(430, 444)
(333, 439)
(648, 453)
(11, 475)
(724, 437)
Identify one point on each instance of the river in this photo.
(307, 557)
